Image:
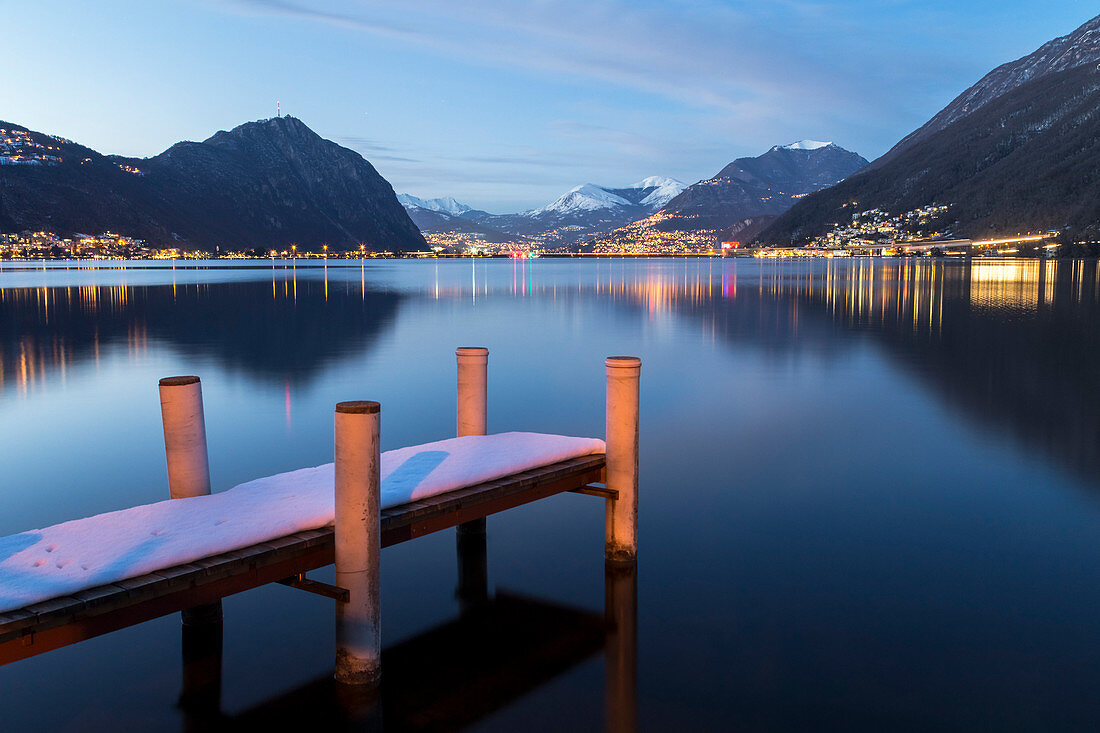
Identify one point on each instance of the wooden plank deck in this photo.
(66, 620)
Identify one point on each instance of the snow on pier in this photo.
(66, 558)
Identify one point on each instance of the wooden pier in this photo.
(359, 532)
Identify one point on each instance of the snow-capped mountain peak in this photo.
(446, 204)
(664, 190)
(655, 182)
(806, 145)
(585, 197)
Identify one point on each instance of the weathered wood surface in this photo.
(66, 620)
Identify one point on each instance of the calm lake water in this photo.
(870, 489)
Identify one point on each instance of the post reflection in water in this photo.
(497, 650)
(200, 698)
(621, 652)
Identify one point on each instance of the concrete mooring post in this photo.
(470, 538)
(184, 437)
(358, 542)
(187, 459)
(621, 533)
(473, 364)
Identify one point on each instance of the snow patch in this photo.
(66, 558)
(585, 197)
(806, 145)
(447, 205)
(664, 190)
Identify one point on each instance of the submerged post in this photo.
(184, 437)
(358, 542)
(621, 533)
(201, 696)
(470, 540)
(188, 462)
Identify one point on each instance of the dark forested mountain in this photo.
(767, 184)
(266, 184)
(749, 192)
(1019, 151)
(1080, 48)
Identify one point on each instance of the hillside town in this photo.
(49, 245)
(875, 227)
(18, 147)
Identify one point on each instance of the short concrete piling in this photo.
(473, 364)
(470, 539)
(358, 542)
(621, 529)
(184, 437)
(188, 462)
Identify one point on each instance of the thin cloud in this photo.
(699, 53)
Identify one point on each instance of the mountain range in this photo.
(746, 195)
(578, 214)
(262, 185)
(1017, 151)
(445, 216)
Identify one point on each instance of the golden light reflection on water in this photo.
(881, 293)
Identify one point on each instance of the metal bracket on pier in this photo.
(301, 582)
(596, 490)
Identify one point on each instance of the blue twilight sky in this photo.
(505, 105)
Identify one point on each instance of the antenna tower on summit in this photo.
(278, 109)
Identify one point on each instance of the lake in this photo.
(870, 489)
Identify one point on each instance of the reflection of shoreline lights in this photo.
(1018, 283)
(870, 292)
(26, 366)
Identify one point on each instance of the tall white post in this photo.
(621, 532)
(473, 364)
(358, 543)
(188, 463)
(470, 538)
(184, 437)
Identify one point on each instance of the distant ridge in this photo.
(447, 205)
(583, 211)
(267, 184)
(745, 196)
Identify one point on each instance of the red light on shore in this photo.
(731, 244)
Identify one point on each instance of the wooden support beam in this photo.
(597, 490)
(301, 582)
